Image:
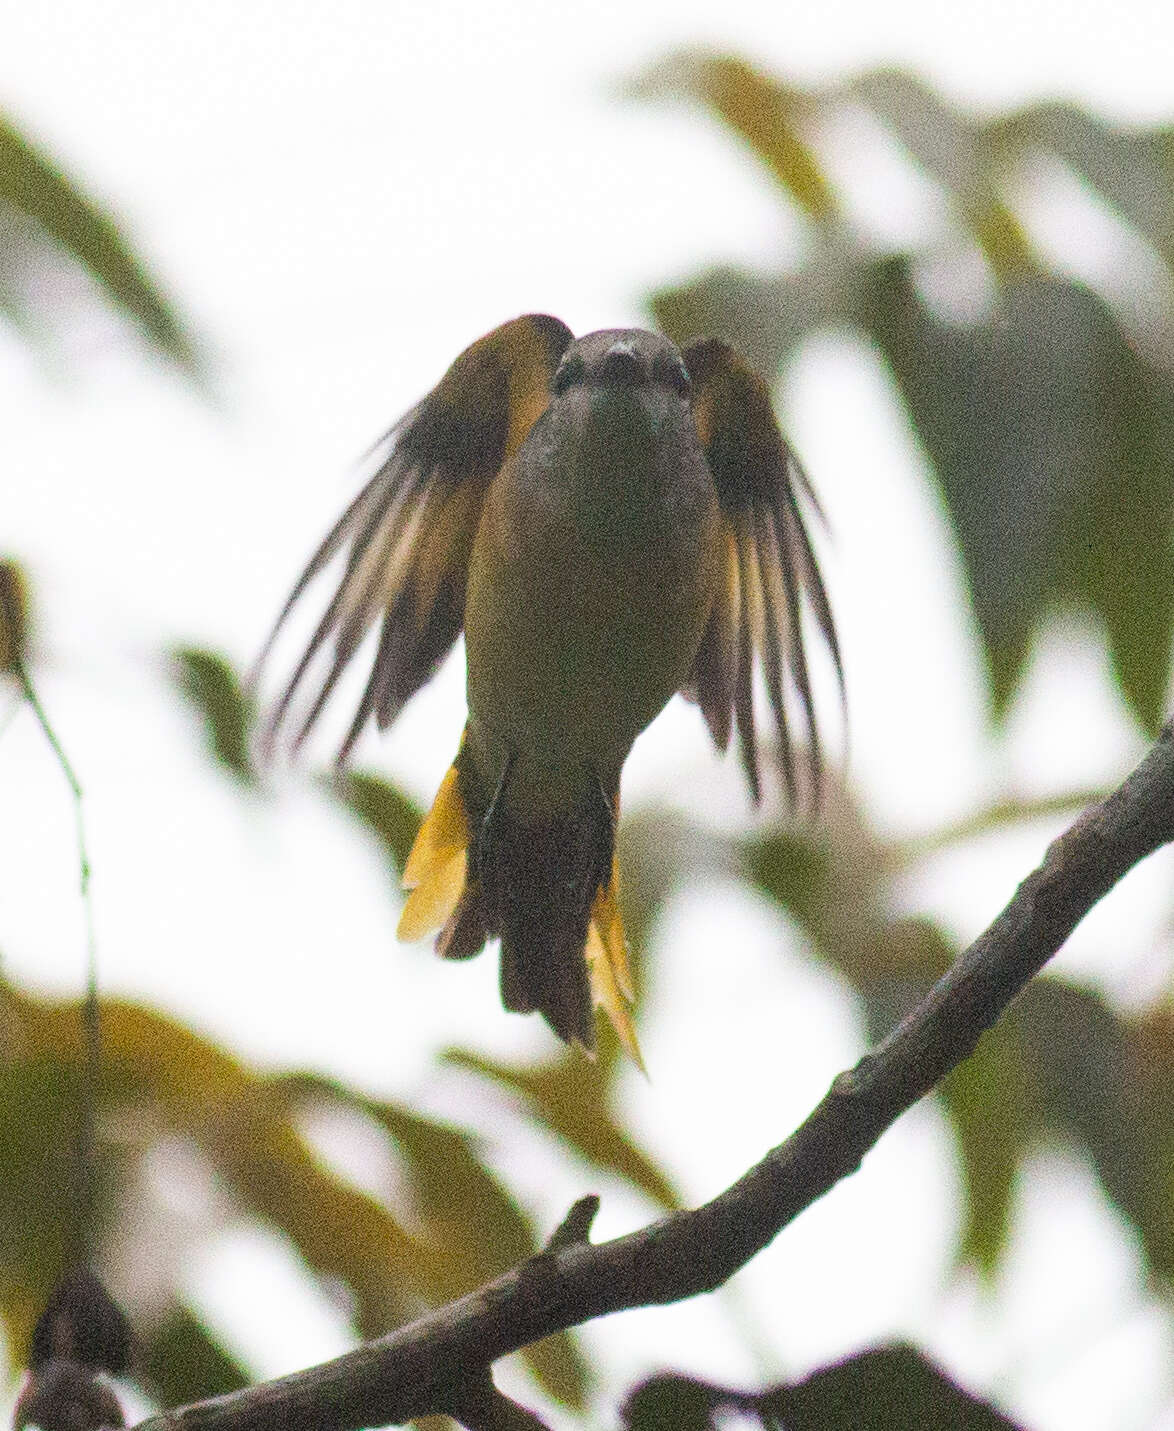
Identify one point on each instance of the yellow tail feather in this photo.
(606, 914)
(607, 965)
(436, 867)
(435, 874)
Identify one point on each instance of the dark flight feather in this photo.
(759, 483)
(409, 532)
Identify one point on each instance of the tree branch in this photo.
(421, 1367)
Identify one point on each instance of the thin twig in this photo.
(91, 1012)
(408, 1373)
(994, 817)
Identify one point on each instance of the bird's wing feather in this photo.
(407, 536)
(771, 569)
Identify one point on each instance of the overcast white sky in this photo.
(342, 196)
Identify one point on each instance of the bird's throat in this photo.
(614, 471)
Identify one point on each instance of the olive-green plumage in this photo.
(592, 576)
(610, 521)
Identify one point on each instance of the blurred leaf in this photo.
(163, 1080)
(882, 1390)
(214, 689)
(677, 1403)
(993, 1106)
(798, 873)
(836, 885)
(1051, 436)
(957, 152)
(479, 1225)
(1002, 814)
(472, 1227)
(888, 1389)
(33, 188)
(766, 316)
(1062, 1066)
(1053, 442)
(14, 615)
(835, 882)
(466, 1209)
(390, 815)
(182, 1362)
(39, 1113)
(571, 1098)
(768, 115)
(658, 851)
(1104, 1085)
(838, 890)
(1132, 169)
(1059, 1064)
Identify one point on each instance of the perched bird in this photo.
(610, 520)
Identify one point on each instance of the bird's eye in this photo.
(672, 372)
(570, 371)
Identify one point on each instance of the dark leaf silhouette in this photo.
(889, 1389)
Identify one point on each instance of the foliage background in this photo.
(970, 304)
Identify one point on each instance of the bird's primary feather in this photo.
(758, 481)
(409, 534)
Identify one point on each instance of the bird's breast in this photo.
(592, 576)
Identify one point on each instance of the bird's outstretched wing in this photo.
(408, 534)
(771, 570)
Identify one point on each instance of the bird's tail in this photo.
(548, 890)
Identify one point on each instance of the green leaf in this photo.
(1051, 439)
(182, 1362)
(1051, 436)
(34, 188)
(39, 1118)
(14, 615)
(214, 689)
(1061, 1065)
(656, 850)
(1053, 443)
(571, 1097)
(1132, 169)
(993, 1104)
(768, 116)
(836, 885)
(481, 1231)
(167, 1081)
(957, 152)
(766, 316)
(387, 812)
(472, 1228)
(1104, 1085)
(1002, 814)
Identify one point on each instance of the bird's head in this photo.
(622, 358)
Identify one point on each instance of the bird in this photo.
(610, 520)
